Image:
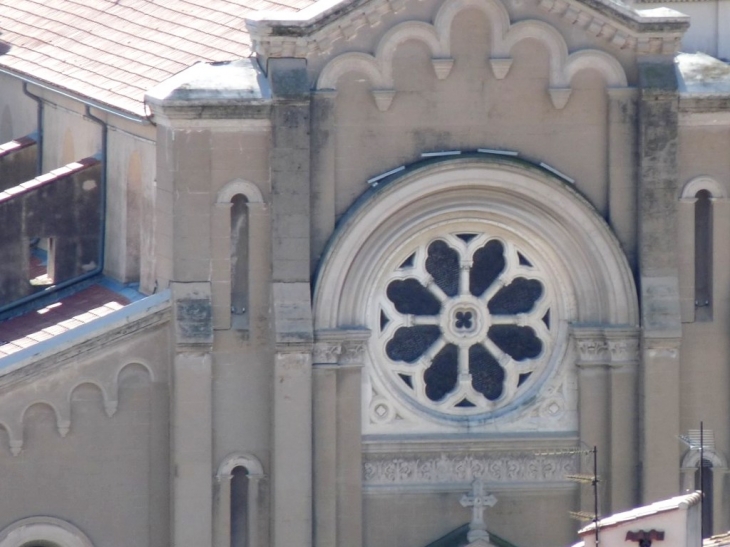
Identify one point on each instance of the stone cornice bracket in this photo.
(606, 346)
(647, 32)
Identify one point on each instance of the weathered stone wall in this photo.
(62, 205)
(18, 162)
(84, 436)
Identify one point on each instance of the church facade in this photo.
(406, 264)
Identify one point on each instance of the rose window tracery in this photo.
(464, 324)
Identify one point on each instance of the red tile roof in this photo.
(113, 51)
(70, 312)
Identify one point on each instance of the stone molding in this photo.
(378, 68)
(656, 41)
(58, 397)
(314, 30)
(240, 186)
(453, 470)
(606, 346)
(716, 189)
(43, 530)
(342, 347)
(249, 461)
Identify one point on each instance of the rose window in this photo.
(464, 324)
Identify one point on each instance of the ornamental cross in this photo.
(478, 501)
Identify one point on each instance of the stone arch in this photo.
(239, 186)
(504, 36)
(716, 189)
(600, 280)
(496, 14)
(249, 461)
(587, 275)
(63, 422)
(145, 366)
(224, 525)
(54, 531)
(691, 459)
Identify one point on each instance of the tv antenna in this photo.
(592, 480)
(696, 440)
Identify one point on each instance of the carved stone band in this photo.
(505, 468)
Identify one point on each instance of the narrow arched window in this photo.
(704, 481)
(703, 256)
(239, 507)
(239, 262)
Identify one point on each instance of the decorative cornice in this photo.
(378, 68)
(455, 470)
(647, 32)
(314, 30)
(344, 347)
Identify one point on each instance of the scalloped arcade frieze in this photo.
(378, 68)
(56, 391)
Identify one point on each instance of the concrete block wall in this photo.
(18, 162)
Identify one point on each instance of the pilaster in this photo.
(339, 357)
(660, 302)
(608, 363)
(192, 415)
(622, 106)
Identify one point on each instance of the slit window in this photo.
(703, 256)
(239, 507)
(239, 262)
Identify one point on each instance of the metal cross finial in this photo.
(478, 501)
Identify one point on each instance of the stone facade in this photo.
(471, 252)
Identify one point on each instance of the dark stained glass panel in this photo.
(409, 343)
(520, 343)
(487, 377)
(517, 297)
(488, 264)
(443, 265)
(441, 376)
(410, 297)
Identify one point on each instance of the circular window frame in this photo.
(554, 338)
(592, 279)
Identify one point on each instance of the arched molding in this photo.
(691, 459)
(716, 189)
(606, 64)
(378, 68)
(50, 530)
(222, 507)
(98, 385)
(106, 379)
(239, 186)
(496, 14)
(61, 412)
(594, 269)
(589, 277)
(249, 461)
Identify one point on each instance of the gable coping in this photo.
(315, 29)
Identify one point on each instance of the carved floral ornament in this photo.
(383, 471)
